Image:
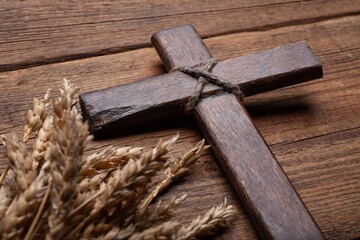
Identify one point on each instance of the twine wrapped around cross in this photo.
(204, 76)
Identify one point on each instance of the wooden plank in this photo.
(38, 32)
(333, 160)
(313, 129)
(162, 96)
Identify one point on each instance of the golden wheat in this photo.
(54, 191)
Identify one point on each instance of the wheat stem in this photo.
(77, 209)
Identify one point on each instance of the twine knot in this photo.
(205, 76)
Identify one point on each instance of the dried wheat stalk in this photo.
(204, 225)
(179, 168)
(54, 191)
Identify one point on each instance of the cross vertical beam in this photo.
(265, 191)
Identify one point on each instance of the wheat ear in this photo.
(23, 207)
(204, 225)
(155, 214)
(69, 138)
(19, 160)
(34, 225)
(162, 231)
(127, 183)
(37, 115)
(35, 118)
(109, 158)
(130, 205)
(179, 168)
(8, 191)
(116, 233)
(41, 143)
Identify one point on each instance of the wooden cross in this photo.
(265, 191)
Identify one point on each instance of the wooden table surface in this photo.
(313, 128)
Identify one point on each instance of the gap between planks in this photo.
(122, 49)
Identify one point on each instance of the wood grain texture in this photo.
(313, 129)
(266, 193)
(157, 97)
(38, 32)
(180, 46)
(262, 186)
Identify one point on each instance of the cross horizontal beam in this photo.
(160, 96)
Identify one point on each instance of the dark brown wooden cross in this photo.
(261, 184)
